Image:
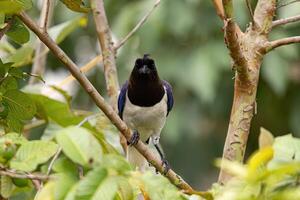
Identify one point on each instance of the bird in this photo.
(144, 102)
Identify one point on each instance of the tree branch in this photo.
(100, 102)
(139, 24)
(219, 8)
(285, 21)
(14, 174)
(38, 66)
(281, 42)
(263, 15)
(6, 28)
(107, 49)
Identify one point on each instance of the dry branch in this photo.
(246, 50)
(285, 21)
(14, 174)
(100, 102)
(137, 26)
(107, 50)
(219, 8)
(281, 42)
(39, 63)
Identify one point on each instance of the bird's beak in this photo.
(144, 70)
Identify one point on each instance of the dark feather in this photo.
(169, 91)
(122, 99)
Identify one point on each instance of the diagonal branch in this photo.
(263, 15)
(100, 102)
(14, 174)
(139, 24)
(107, 50)
(39, 63)
(281, 42)
(286, 21)
(219, 8)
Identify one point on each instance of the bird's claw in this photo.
(135, 137)
(166, 166)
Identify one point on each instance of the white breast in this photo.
(148, 121)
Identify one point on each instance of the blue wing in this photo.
(170, 101)
(122, 99)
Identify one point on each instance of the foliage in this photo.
(91, 165)
(270, 173)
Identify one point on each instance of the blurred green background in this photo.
(186, 40)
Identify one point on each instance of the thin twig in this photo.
(6, 28)
(107, 51)
(281, 42)
(250, 11)
(287, 3)
(39, 63)
(219, 8)
(286, 21)
(100, 102)
(137, 26)
(14, 174)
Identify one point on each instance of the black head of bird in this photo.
(144, 69)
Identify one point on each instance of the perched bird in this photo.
(144, 103)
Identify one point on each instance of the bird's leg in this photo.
(135, 137)
(165, 163)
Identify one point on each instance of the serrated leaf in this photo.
(59, 32)
(7, 186)
(265, 138)
(19, 104)
(80, 145)
(89, 184)
(18, 32)
(76, 5)
(33, 153)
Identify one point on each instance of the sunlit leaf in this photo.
(80, 146)
(6, 186)
(22, 56)
(33, 153)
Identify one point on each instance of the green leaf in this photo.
(150, 182)
(89, 185)
(10, 6)
(4, 68)
(15, 138)
(16, 72)
(9, 83)
(2, 20)
(14, 6)
(125, 189)
(59, 32)
(47, 193)
(18, 32)
(64, 165)
(63, 184)
(7, 186)
(33, 153)
(286, 150)
(22, 56)
(20, 105)
(76, 5)
(80, 145)
(116, 162)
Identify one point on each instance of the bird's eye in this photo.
(151, 64)
(139, 63)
